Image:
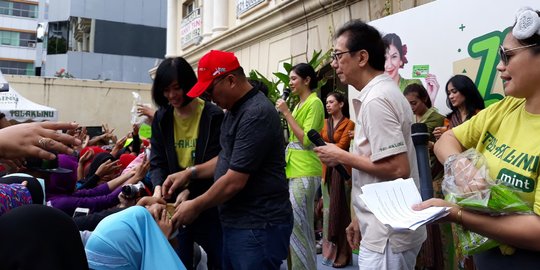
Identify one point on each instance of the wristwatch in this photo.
(192, 172)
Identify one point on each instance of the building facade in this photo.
(18, 22)
(266, 33)
(116, 40)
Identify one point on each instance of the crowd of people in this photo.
(218, 177)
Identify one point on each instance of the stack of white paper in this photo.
(392, 202)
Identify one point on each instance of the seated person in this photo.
(19, 189)
(67, 199)
(132, 239)
(42, 237)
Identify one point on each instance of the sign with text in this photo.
(242, 6)
(191, 28)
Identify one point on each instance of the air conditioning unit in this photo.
(31, 44)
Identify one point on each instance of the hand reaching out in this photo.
(108, 167)
(165, 223)
(141, 170)
(135, 130)
(118, 146)
(175, 181)
(145, 110)
(186, 212)
(432, 87)
(88, 155)
(149, 200)
(38, 139)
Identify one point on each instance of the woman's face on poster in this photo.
(393, 62)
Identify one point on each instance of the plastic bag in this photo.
(467, 183)
(135, 118)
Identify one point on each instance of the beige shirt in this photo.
(383, 129)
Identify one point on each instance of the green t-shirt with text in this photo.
(186, 130)
(507, 135)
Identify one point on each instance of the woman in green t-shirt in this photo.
(304, 169)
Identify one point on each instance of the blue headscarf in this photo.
(130, 239)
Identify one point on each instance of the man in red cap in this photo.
(250, 185)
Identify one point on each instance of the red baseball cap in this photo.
(212, 65)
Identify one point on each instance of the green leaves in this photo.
(318, 60)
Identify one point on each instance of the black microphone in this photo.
(420, 137)
(317, 140)
(286, 93)
(284, 96)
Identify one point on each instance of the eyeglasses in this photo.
(208, 93)
(503, 53)
(337, 55)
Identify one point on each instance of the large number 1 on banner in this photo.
(486, 47)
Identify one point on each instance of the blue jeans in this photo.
(206, 231)
(260, 249)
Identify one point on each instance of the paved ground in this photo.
(320, 266)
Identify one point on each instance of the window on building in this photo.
(18, 9)
(27, 40)
(188, 7)
(16, 68)
(4, 7)
(12, 38)
(58, 37)
(9, 38)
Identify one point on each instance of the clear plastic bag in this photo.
(135, 118)
(467, 183)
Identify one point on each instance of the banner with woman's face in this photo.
(435, 41)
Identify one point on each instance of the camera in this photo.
(133, 190)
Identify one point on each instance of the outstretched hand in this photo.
(186, 212)
(175, 181)
(38, 139)
(154, 199)
(108, 167)
(432, 87)
(118, 146)
(145, 110)
(440, 203)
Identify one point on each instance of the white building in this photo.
(266, 33)
(118, 40)
(18, 23)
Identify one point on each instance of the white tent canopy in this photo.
(20, 109)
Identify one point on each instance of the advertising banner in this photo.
(448, 37)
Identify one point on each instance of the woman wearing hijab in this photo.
(132, 240)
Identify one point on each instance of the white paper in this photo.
(391, 202)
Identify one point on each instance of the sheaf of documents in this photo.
(391, 202)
